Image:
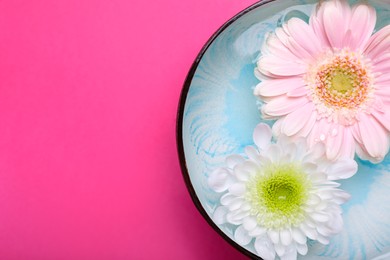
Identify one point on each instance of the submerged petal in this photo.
(265, 248)
(241, 236)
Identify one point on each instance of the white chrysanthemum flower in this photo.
(281, 195)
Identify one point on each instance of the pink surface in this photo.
(88, 98)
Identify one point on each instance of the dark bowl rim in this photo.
(179, 128)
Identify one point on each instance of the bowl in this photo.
(218, 112)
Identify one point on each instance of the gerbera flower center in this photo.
(278, 194)
(340, 83)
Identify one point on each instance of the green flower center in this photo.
(277, 195)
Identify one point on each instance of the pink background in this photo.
(88, 99)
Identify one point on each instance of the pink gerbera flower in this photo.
(329, 80)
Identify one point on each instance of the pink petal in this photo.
(362, 24)
(280, 67)
(276, 47)
(335, 142)
(296, 120)
(319, 132)
(347, 150)
(298, 92)
(356, 133)
(362, 153)
(291, 44)
(382, 67)
(379, 43)
(382, 78)
(309, 124)
(318, 27)
(283, 105)
(276, 87)
(383, 119)
(334, 24)
(304, 35)
(374, 137)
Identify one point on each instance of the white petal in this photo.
(285, 237)
(302, 249)
(227, 198)
(236, 217)
(313, 200)
(336, 223)
(273, 153)
(253, 154)
(324, 230)
(244, 171)
(309, 232)
(341, 197)
(233, 160)
(219, 216)
(258, 231)
(342, 169)
(264, 248)
(220, 179)
(315, 152)
(279, 249)
(298, 236)
(241, 236)
(249, 223)
(262, 136)
(273, 235)
(320, 217)
(235, 204)
(309, 167)
(323, 240)
(290, 254)
(237, 189)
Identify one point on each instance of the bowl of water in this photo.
(217, 115)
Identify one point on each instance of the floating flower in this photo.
(329, 80)
(281, 195)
